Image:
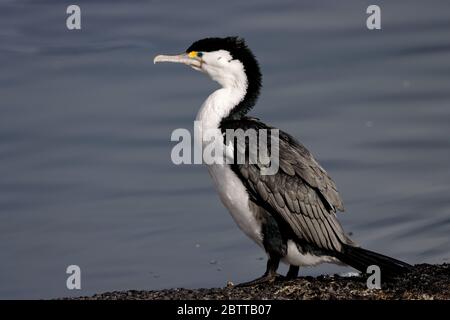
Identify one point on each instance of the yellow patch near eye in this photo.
(192, 54)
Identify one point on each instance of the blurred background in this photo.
(86, 118)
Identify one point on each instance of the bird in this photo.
(292, 214)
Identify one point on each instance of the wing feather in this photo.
(301, 193)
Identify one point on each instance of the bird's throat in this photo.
(219, 105)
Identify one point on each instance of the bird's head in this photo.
(226, 60)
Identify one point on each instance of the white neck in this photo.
(219, 105)
(216, 107)
(230, 74)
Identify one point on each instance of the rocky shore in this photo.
(426, 282)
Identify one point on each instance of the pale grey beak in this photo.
(184, 58)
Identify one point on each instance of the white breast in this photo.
(235, 198)
(230, 188)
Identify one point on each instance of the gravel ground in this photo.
(425, 282)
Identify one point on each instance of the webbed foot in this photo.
(266, 278)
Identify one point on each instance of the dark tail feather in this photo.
(360, 259)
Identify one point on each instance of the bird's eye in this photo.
(199, 54)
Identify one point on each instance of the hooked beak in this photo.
(194, 62)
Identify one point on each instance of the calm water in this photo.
(86, 118)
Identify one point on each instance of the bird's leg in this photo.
(269, 276)
(292, 273)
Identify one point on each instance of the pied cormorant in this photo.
(291, 214)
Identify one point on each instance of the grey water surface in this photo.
(85, 122)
